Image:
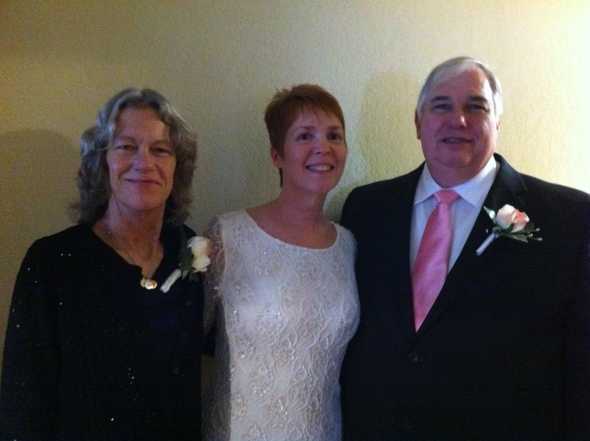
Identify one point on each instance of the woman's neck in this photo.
(143, 227)
(301, 210)
(298, 221)
(135, 238)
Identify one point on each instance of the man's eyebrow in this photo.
(440, 98)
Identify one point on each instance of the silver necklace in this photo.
(145, 282)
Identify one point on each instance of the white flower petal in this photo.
(201, 263)
(198, 245)
(505, 216)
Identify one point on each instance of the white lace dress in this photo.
(283, 315)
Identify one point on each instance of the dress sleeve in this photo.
(213, 276)
(28, 395)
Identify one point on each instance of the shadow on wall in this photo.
(234, 168)
(386, 144)
(37, 172)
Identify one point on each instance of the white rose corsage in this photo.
(509, 222)
(194, 258)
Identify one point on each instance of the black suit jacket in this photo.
(504, 354)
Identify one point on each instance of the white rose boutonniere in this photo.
(509, 222)
(508, 216)
(194, 258)
(200, 247)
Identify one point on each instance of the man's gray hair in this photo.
(452, 67)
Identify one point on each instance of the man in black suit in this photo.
(502, 350)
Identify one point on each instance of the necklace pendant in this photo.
(148, 284)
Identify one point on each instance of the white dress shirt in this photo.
(465, 210)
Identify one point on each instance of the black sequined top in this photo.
(91, 355)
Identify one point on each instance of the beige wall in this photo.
(219, 61)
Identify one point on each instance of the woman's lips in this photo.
(320, 167)
(143, 181)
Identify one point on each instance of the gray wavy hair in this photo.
(454, 66)
(93, 176)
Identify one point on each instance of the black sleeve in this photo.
(577, 342)
(28, 394)
(347, 218)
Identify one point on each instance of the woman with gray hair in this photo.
(101, 343)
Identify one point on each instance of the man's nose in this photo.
(458, 118)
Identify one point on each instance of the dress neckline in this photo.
(262, 232)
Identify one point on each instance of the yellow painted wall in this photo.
(219, 61)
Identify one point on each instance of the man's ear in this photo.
(417, 124)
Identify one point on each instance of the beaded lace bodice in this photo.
(284, 315)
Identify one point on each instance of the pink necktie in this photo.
(432, 261)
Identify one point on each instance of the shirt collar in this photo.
(473, 190)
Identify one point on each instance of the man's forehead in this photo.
(470, 83)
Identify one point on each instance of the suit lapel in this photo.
(389, 249)
(401, 273)
(508, 188)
